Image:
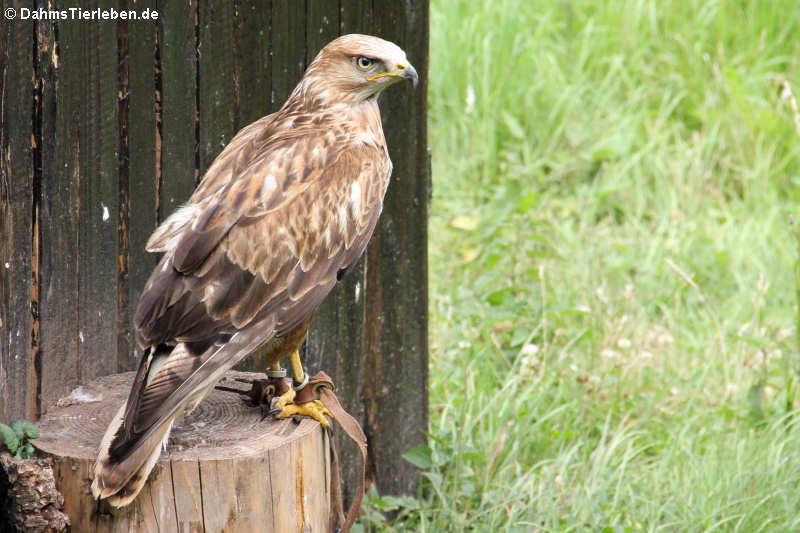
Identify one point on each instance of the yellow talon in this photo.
(283, 406)
(314, 409)
(284, 399)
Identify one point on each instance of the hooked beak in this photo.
(403, 71)
(407, 72)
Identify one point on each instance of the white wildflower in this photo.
(608, 353)
(470, 100)
(529, 350)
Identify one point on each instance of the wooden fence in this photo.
(107, 126)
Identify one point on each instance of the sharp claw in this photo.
(272, 409)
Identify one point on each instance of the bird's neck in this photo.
(310, 97)
(368, 114)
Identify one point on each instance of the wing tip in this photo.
(119, 495)
(120, 481)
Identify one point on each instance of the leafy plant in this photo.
(15, 438)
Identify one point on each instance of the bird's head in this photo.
(356, 67)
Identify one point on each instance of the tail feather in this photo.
(120, 481)
(126, 456)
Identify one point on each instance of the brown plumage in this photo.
(282, 212)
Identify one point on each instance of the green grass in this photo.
(613, 302)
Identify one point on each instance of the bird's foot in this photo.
(313, 408)
(286, 399)
(300, 400)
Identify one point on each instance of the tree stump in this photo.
(224, 469)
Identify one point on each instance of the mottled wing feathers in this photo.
(227, 267)
(298, 250)
(199, 211)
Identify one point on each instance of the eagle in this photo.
(282, 213)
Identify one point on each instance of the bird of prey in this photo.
(282, 213)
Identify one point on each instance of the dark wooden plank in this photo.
(253, 63)
(288, 47)
(124, 334)
(62, 80)
(356, 17)
(396, 358)
(179, 100)
(322, 26)
(95, 59)
(18, 381)
(141, 174)
(217, 79)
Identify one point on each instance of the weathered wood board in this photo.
(18, 206)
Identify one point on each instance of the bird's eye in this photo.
(364, 63)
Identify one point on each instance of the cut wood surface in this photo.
(224, 469)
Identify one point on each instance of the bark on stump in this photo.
(32, 502)
(225, 469)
